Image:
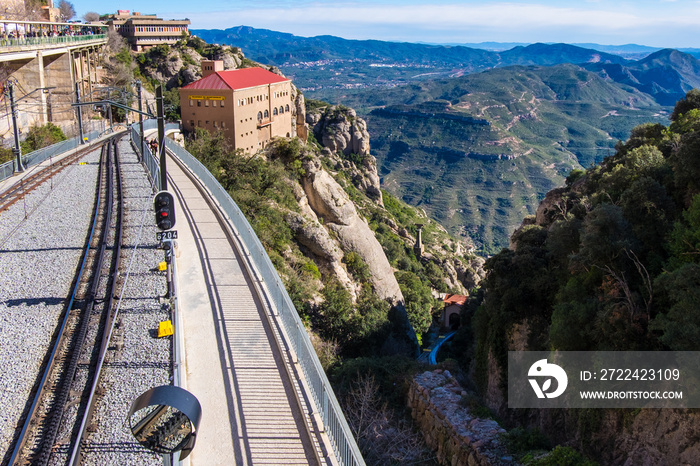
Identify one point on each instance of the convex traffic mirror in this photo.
(165, 420)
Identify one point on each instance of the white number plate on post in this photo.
(170, 234)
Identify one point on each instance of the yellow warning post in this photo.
(162, 266)
(165, 329)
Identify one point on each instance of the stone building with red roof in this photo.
(451, 311)
(250, 105)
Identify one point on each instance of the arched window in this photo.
(281, 109)
(286, 109)
(267, 114)
(259, 115)
(274, 111)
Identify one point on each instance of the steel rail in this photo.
(30, 182)
(74, 340)
(76, 454)
(42, 387)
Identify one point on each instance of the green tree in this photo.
(573, 325)
(689, 102)
(418, 298)
(685, 238)
(171, 103)
(42, 136)
(680, 324)
(209, 148)
(5, 154)
(337, 311)
(686, 166)
(605, 236)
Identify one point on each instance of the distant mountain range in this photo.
(278, 47)
(476, 137)
(322, 63)
(629, 51)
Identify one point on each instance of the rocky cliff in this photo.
(342, 133)
(345, 144)
(180, 64)
(329, 203)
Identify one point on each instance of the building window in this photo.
(192, 122)
(223, 124)
(274, 111)
(213, 103)
(281, 110)
(259, 116)
(191, 103)
(267, 114)
(199, 103)
(206, 103)
(287, 108)
(222, 102)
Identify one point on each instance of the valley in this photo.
(548, 109)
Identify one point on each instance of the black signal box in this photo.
(164, 206)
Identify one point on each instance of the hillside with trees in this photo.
(610, 261)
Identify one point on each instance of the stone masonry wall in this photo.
(457, 437)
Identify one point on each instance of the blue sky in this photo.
(658, 23)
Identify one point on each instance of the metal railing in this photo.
(57, 40)
(339, 433)
(40, 155)
(152, 165)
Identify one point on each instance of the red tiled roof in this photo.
(237, 79)
(450, 299)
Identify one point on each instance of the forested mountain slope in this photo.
(610, 261)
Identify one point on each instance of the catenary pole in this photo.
(80, 114)
(138, 84)
(161, 138)
(13, 109)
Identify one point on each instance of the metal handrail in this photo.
(57, 40)
(36, 157)
(344, 445)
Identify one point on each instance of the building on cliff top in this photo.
(250, 105)
(145, 31)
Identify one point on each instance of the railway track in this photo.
(32, 181)
(64, 397)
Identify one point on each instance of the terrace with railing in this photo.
(19, 36)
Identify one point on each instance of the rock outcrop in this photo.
(344, 136)
(300, 105)
(458, 437)
(331, 203)
(180, 65)
(339, 129)
(318, 242)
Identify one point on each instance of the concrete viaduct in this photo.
(45, 68)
